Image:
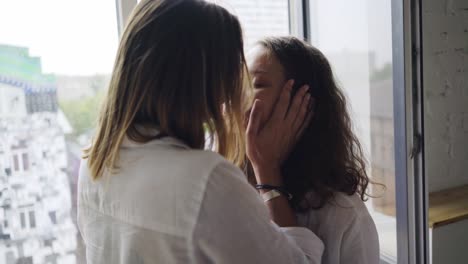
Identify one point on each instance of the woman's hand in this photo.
(269, 144)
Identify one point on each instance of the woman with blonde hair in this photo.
(148, 191)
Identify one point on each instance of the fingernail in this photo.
(307, 88)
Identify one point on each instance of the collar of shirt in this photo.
(167, 140)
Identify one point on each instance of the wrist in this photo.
(270, 175)
(266, 166)
(274, 190)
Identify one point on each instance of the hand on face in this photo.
(269, 143)
(274, 123)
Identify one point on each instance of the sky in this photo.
(73, 37)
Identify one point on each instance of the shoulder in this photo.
(346, 227)
(352, 205)
(341, 213)
(157, 178)
(341, 203)
(160, 155)
(354, 210)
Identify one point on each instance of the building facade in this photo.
(35, 198)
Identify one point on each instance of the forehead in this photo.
(261, 61)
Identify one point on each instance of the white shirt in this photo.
(171, 204)
(347, 230)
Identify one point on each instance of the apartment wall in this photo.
(449, 243)
(445, 69)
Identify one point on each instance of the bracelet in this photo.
(270, 195)
(279, 189)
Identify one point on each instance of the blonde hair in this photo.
(178, 61)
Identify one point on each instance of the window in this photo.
(16, 163)
(25, 161)
(32, 219)
(356, 36)
(23, 220)
(54, 71)
(55, 61)
(260, 18)
(53, 217)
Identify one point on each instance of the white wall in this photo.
(449, 243)
(445, 69)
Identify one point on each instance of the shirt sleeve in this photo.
(360, 244)
(234, 226)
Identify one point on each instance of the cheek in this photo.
(268, 97)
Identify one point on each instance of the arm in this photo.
(234, 226)
(270, 143)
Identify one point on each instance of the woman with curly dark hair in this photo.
(325, 173)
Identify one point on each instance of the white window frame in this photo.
(412, 199)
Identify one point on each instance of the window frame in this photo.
(299, 19)
(412, 200)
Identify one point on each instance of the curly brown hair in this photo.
(328, 158)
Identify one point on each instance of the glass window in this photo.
(25, 158)
(356, 36)
(259, 18)
(16, 162)
(55, 61)
(23, 220)
(32, 219)
(53, 217)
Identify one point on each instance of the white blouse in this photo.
(170, 204)
(347, 230)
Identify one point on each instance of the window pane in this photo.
(25, 161)
(32, 219)
(55, 62)
(16, 162)
(23, 220)
(356, 36)
(259, 18)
